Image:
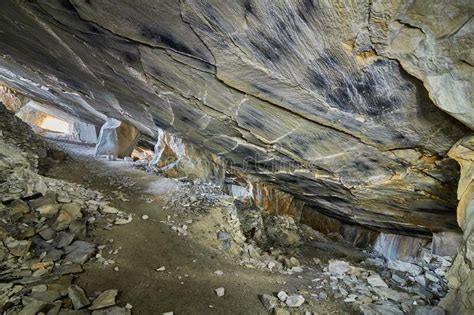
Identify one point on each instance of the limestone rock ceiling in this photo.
(337, 103)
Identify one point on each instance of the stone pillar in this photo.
(117, 139)
(460, 298)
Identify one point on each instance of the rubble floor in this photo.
(187, 285)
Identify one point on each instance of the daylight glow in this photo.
(54, 124)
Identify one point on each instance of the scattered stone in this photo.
(145, 217)
(19, 206)
(432, 277)
(48, 198)
(78, 297)
(68, 213)
(34, 307)
(350, 298)
(17, 248)
(390, 294)
(405, 267)
(48, 211)
(79, 252)
(63, 239)
(122, 221)
(294, 300)
(108, 209)
(376, 281)
(338, 267)
(47, 233)
(68, 269)
(220, 291)
(78, 228)
(296, 269)
(48, 296)
(398, 279)
(54, 255)
(269, 301)
(282, 296)
(105, 299)
(218, 272)
(421, 280)
(161, 269)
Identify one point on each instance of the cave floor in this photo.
(188, 283)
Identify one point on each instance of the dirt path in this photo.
(187, 286)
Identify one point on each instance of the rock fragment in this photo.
(78, 297)
(105, 299)
(338, 267)
(18, 248)
(282, 296)
(376, 281)
(220, 291)
(294, 300)
(269, 301)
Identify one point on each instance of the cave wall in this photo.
(346, 105)
(460, 298)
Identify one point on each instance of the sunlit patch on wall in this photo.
(54, 124)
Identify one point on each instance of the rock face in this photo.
(460, 299)
(12, 100)
(345, 106)
(173, 158)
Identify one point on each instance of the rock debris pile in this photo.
(44, 231)
(366, 282)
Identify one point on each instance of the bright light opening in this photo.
(54, 124)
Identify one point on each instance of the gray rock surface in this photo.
(105, 299)
(78, 297)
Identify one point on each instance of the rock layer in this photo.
(335, 103)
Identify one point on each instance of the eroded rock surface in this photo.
(117, 139)
(460, 299)
(319, 98)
